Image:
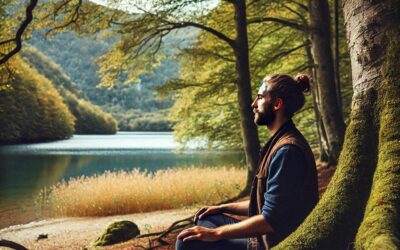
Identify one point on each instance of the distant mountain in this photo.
(77, 56)
(90, 119)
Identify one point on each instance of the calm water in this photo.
(26, 169)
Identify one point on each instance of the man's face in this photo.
(263, 107)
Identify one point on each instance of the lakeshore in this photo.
(77, 233)
(29, 168)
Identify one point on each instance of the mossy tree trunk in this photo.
(380, 67)
(369, 165)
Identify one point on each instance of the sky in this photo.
(135, 6)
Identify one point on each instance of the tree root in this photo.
(179, 224)
(160, 235)
(12, 245)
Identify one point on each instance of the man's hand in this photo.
(199, 233)
(207, 210)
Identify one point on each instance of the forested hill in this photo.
(136, 106)
(89, 118)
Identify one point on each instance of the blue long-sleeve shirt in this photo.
(286, 205)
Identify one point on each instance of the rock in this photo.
(42, 236)
(117, 232)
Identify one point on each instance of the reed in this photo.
(134, 191)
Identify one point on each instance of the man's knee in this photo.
(188, 245)
(211, 221)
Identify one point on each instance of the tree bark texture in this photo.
(337, 54)
(330, 111)
(375, 53)
(322, 141)
(360, 208)
(249, 130)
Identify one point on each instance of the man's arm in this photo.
(238, 208)
(253, 226)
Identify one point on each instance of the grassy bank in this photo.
(131, 192)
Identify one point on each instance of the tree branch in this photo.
(277, 20)
(18, 37)
(73, 19)
(7, 41)
(301, 16)
(210, 30)
(281, 54)
(304, 7)
(201, 52)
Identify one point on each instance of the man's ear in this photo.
(278, 104)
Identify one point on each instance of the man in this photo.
(285, 188)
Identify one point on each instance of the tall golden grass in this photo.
(130, 192)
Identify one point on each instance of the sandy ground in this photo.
(76, 233)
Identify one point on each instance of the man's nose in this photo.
(254, 104)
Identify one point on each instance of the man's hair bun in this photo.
(303, 83)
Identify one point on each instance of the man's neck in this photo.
(277, 124)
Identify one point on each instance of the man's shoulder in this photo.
(296, 141)
(289, 150)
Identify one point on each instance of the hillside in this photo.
(136, 106)
(32, 110)
(90, 119)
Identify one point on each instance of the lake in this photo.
(27, 168)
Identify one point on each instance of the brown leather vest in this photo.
(260, 184)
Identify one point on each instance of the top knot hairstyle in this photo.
(290, 90)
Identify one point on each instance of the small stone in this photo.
(42, 236)
(117, 232)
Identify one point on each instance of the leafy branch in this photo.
(18, 36)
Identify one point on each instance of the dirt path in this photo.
(76, 233)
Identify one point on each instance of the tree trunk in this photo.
(322, 141)
(249, 130)
(321, 48)
(337, 53)
(371, 143)
(375, 52)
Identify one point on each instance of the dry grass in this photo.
(130, 192)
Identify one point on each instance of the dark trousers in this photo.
(213, 221)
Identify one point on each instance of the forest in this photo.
(194, 67)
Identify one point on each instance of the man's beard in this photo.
(266, 117)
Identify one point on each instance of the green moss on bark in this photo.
(380, 226)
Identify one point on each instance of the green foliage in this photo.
(32, 110)
(8, 25)
(207, 117)
(90, 119)
(77, 56)
(46, 67)
(206, 95)
(137, 120)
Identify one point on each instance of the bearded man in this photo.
(285, 188)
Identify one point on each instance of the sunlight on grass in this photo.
(130, 192)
